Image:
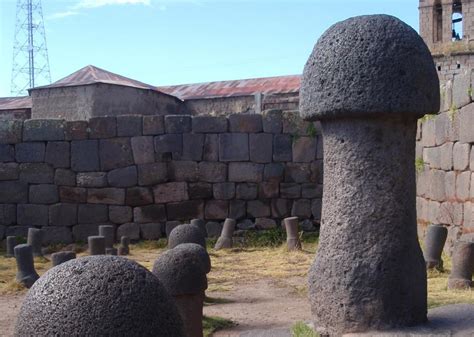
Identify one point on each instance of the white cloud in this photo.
(100, 3)
(61, 15)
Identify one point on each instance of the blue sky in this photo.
(164, 42)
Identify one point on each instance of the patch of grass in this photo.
(419, 164)
(212, 324)
(300, 329)
(268, 238)
(216, 300)
(8, 284)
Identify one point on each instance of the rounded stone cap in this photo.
(181, 272)
(201, 254)
(98, 296)
(368, 66)
(186, 234)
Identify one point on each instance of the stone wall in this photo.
(141, 173)
(445, 161)
(453, 65)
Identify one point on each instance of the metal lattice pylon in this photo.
(30, 66)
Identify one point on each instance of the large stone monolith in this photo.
(368, 80)
(98, 296)
(35, 240)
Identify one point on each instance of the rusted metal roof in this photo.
(265, 85)
(13, 103)
(91, 74)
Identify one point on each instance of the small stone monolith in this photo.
(186, 234)
(26, 273)
(61, 257)
(111, 251)
(225, 239)
(124, 248)
(462, 265)
(108, 232)
(98, 296)
(35, 240)
(292, 238)
(96, 245)
(434, 243)
(11, 243)
(183, 274)
(367, 81)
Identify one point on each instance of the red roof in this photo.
(265, 85)
(91, 74)
(14, 103)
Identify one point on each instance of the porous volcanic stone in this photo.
(434, 243)
(367, 80)
(90, 296)
(199, 251)
(369, 65)
(186, 234)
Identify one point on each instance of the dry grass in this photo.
(231, 268)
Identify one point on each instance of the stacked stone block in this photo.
(445, 161)
(139, 172)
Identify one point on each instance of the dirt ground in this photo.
(263, 304)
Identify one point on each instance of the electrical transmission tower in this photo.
(30, 65)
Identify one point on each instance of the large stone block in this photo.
(301, 208)
(153, 125)
(183, 171)
(212, 172)
(58, 154)
(193, 145)
(81, 232)
(442, 125)
(11, 131)
(9, 171)
(43, 130)
(462, 89)
(44, 194)
(7, 214)
(115, 153)
(178, 124)
(143, 149)
(76, 130)
(317, 171)
(311, 190)
(72, 194)
(102, 127)
(209, 124)
(211, 148)
(274, 172)
(437, 185)
(451, 213)
(150, 213)
(138, 196)
(30, 152)
(172, 143)
(7, 153)
(153, 173)
(150, 231)
(428, 133)
(293, 124)
(246, 191)
(446, 156)
(223, 191)
(246, 172)
(13, 192)
(265, 223)
(461, 153)
(131, 230)
(466, 121)
(128, 126)
(120, 214)
(297, 173)
(268, 190)
(316, 208)
(304, 149)
(216, 209)
(90, 214)
(471, 164)
(433, 211)
(21, 231)
(233, 147)
(36, 173)
(185, 210)
(32, 215)
(56, 235)
(450, 185)
(290, 190)
(272, 121)
(92, 179)
(463, 181)
(123, 177)
(85, 155)
(213, 229)
(170, 192)
(432, 157)
(282, 147)
(63, 214)
(109, 196)
(246, 123)
(258, 208)
(261, 147)
(200, 190)
(237, 209)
